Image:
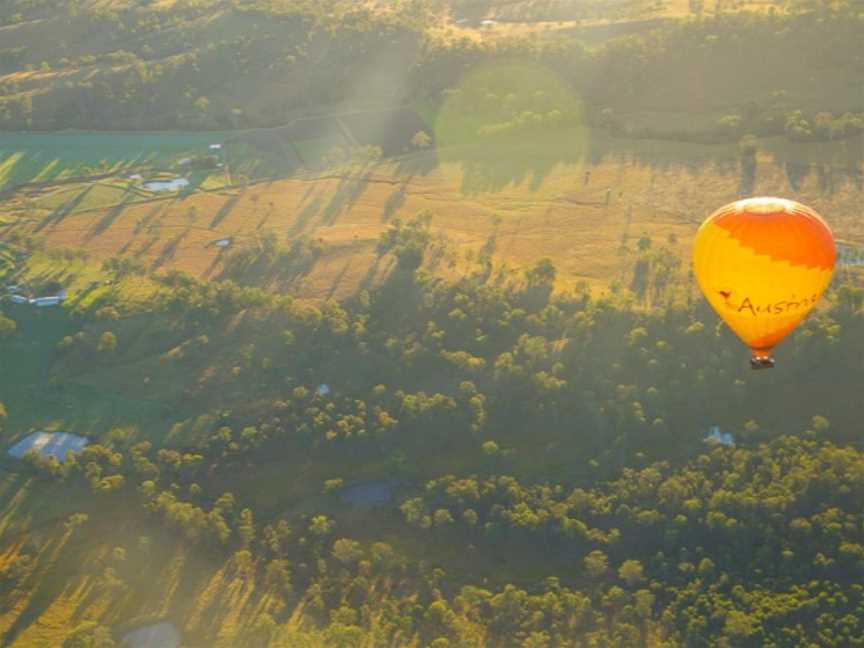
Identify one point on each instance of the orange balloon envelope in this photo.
(763, 263)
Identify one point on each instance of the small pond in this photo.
(167, 185)
(160, 635)
(373, 493)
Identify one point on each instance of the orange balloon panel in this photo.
(763, 263)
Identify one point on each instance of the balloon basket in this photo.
(762, 362)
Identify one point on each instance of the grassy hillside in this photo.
(223, 65)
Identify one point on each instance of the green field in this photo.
(35, 157)
(34, 401)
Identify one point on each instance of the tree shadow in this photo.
(368, 280)
(747, 180)
(853, 172)
(826, 178)
(417, 164)
(59, 214)
(305, 216)
(224, 210)
(346, 195)
(338, 279)
(110, 216)
(492, 163)
(144, 249)
(45, 590)
(169, 250)
(394, 202)
(217, 261)
(796, 172)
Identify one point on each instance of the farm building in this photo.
(16, 297)
(49, 444)
(41, 302)
(716, 436)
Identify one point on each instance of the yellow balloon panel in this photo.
(761, 297)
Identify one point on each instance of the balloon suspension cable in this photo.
(761, 359)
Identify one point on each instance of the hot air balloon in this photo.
(762, 264)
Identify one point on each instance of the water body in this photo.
(49, 444)
(160, 635)
(167, 185)
(368, 494)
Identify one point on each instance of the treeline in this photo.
(746, 65)
(176, 69)
(167, 70)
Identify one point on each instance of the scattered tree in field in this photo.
(7, 326)
(107, 343)
(421, 140)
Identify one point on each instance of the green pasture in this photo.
(34, 399)
(34, 157)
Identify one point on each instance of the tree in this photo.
(820, 424)
(75, 521)
(321, 525)
(7, 327)
(631, 572)
(542, 274)
(332, 485)
(490, 448)
(278, 575)
(107, 343)
(421, 140)
(245, 527)
(596, 564)
(347, 551)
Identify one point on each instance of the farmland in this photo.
(526, 199)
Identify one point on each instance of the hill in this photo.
(226, 65)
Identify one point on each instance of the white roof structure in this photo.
(19, 299)
(49, 444)
(215, 147)
(222, 243)
(323, 390)
(716, 436)
(46, 301)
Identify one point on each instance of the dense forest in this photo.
(218, 65)
(558, 439)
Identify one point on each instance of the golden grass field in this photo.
(557, 215)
